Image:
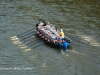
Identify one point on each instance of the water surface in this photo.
(78, 17)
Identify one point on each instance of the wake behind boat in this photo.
(52, 35)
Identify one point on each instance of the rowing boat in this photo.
(45, 35)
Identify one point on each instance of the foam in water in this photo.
(62, 52)
(28, 49)
(89, 39)
(14, 38)
(67, 55)
(44, 65)
(16, 41)
(76, 52)
(23, 47)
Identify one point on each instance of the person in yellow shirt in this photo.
(62, 34)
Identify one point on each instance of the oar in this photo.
(68, 38)
(27, 32)
(33, 43)
(27, 37)
(30, 39)
(38, 45)
(75, 39)
(60, 46)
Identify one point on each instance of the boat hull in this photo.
(63, 46)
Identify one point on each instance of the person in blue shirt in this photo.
(54, 38)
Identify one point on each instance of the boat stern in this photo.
(65, 45)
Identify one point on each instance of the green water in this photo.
(78, 17)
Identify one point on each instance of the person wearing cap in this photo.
(62, 34)
(42, 22)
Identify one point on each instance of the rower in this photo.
(42, 23)
(43, 29)
(48, 23)
(54, 38)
